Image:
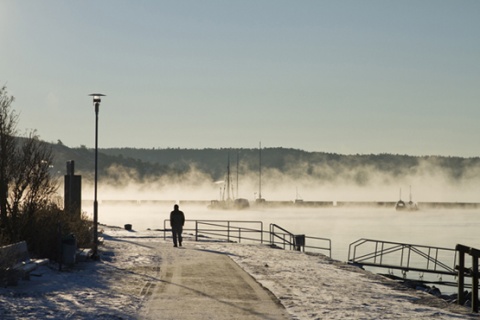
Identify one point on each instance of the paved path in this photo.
(199, 284)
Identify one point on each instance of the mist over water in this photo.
(343, 225)
(425, 181)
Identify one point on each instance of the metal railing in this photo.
(300, 242)
(227, 230)
(402, 256)
(250, 231)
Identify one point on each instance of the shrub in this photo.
(45, 230)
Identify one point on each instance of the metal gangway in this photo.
(402, 256)
(424, 259)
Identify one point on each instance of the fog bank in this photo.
(427, 182)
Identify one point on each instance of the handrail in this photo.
(281, 236)
(233, 230)
(299, 241)
(221, 229)
(381, 249)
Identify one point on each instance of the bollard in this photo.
(69, 249)
(299, 242)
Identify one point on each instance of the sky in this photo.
(372, 76)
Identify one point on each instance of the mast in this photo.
(228, 178)
(260, 171)
(237, 175)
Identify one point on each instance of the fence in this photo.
(227, 230)
(251, 231)
(286, 239)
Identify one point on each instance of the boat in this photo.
(406, 206)
(232, 204)
(298, 199)
(227, 201)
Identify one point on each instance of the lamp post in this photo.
(96, 103)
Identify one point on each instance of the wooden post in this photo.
(475, 253)
(475, 256)
(461, 273)
(196, 230)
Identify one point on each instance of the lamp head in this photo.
(97, 97)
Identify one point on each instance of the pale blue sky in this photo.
(336, 76)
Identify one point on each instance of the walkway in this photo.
(198, 284)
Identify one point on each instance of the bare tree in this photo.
(32, 186)
(25, 182)
(8, 123)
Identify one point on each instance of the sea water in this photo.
(343, 225)
(443, 228)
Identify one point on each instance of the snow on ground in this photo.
(309, 286)
(317, 287)
(109, 289)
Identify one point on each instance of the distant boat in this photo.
(227, 202)
(409, 206)
(236, 204)
(400, 205)
(298, 199)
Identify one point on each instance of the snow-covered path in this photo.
(197, 283)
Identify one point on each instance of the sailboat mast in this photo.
(260, 171)
(228, 177)
(237, 174)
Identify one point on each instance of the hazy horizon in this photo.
(100, 148)
(424, 185)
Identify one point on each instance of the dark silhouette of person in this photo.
(177, 220)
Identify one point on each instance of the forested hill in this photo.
(359, 169)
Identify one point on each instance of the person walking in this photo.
(177, 220)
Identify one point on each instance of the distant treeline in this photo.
(151, 163)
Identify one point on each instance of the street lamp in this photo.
(96, 102)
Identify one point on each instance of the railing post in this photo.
(408, 256)
(474, 281)
(475, 255)
(270, 233)
(261, 232)
(164, 230)
(354, 253)
(196, 230)
(228, 231)
(428, 260)
(461, 273)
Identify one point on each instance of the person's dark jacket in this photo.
(177, 219)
